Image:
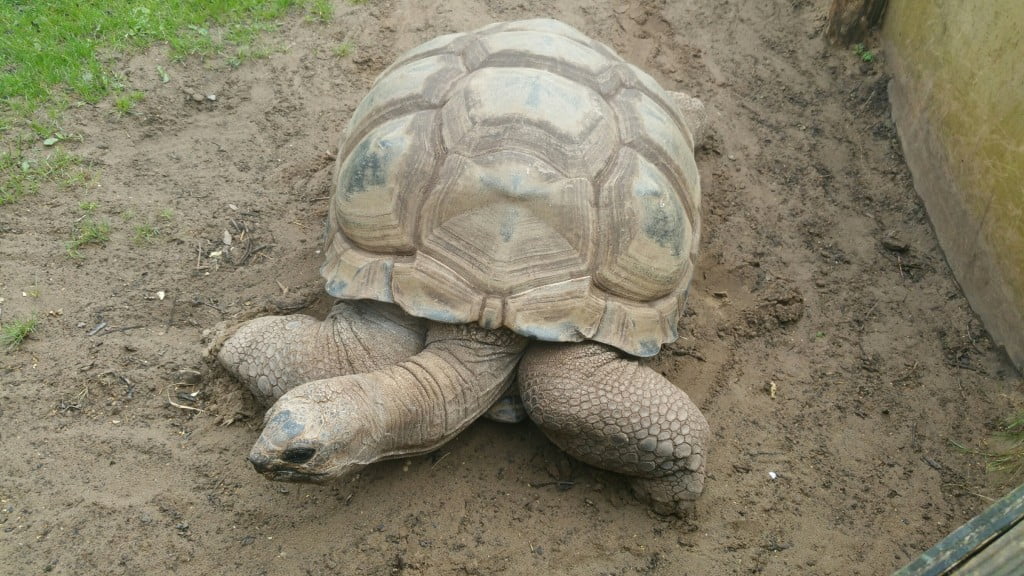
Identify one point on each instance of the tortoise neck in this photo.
(419, 404)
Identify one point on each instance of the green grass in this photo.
(127, 100)
(89, 231)
(53, 47)
(344, 49)
(144, 233)
(148, 230)
(13, 333)
(56, 54)
(1010, 458)
(23, 170)
(245, 53)
(321, 10)
(1008, 454)
(865, 55)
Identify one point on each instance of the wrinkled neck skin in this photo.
(407, 409)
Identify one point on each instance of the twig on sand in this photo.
(122, 329)
(438, 461)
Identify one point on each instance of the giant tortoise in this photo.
(516, 210)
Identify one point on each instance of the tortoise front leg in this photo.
(274, 354)
(608, 411)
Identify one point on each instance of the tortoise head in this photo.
(311, 435)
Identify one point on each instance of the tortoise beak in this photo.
(284, 470)
(260, 462)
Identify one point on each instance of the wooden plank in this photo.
(1004, 557)
(973, 537)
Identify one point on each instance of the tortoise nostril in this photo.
(298, 455)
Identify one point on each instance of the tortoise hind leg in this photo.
(612, 413)
(274, 354)
(694, 115)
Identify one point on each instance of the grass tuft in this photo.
(344, 49)
(127, 100)
(863, 53)
(1010, 458)
(13, 333)
(88, 232)
(321, 10)
(145, 233)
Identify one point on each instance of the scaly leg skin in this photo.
(608, 411)
(274, 354)
(694, 114)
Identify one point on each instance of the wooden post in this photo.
(850, 20)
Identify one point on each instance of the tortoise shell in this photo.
(522, 175)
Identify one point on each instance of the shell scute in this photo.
(418, 85)
(559, 121)
(380, 183)
(645, 229)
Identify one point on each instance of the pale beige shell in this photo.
(525, 176)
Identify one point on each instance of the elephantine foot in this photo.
(608, 411)
(273, 354)
(694, 115)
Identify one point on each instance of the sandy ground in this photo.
(827, 341)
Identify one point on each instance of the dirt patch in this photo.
(826, 340)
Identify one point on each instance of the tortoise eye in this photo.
(298, 455)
